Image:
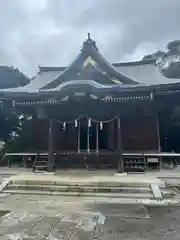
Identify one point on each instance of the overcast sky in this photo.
(51, 32)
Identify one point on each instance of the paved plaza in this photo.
(51, 217)
(43, 217)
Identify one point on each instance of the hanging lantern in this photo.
(76, 123)
(89, 122)
(64, 126)
(101, 125)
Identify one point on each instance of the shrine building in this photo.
(93, 113)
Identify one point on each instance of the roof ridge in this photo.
(141, 62)
(133, 63)
(47, 68)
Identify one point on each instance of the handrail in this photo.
(34, 162)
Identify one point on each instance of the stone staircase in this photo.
(113, 190)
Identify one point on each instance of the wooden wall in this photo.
(40, 134)
(139, 131)
(63, 140)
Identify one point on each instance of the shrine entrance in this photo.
(93, 135)
(85, 135)
(85, 142)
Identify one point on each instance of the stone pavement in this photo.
(163, 173)
(44, 204)
(39, 217)
(36, 217)
(48, 226)
(135, 179)
(164, 224)
(50, 217)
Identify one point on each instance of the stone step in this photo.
(167, 193)
(82, 194)
(156, 191)
(40, 162)
(40, 166)
(69, 182)
(66, 188)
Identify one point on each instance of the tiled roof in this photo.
(40, 80)
(144, 73)
(92, 69)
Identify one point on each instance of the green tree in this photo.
(12, 77)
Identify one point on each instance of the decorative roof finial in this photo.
(88, 43)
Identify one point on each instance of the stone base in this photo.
(120, 174)
(44, 173)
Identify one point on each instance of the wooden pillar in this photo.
(79, 136)
(119, 147)
(97, 138)
(88, 143)
(50, 148)
(158, 136)
(158, 132)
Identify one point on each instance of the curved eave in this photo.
(90, 86)
(117, 64)
(124, 79)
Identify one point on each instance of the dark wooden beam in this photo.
(119, 147)
(51, 148)
(158, 132)
(156, 111)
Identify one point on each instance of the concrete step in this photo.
(167, 193)
(82, 194)
(70, 182)
(66, 188)
(171, 182)
(40, 166)
(40, 162)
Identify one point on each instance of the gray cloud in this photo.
(50, 32)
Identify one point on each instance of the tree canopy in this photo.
(12, 77)
(172, 47)
(153, 56)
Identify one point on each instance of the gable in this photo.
(91, 65)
